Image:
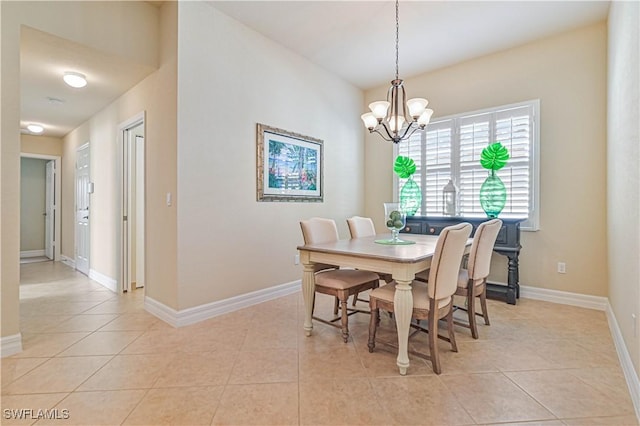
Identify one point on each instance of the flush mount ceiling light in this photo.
(74, 79)
(35, 128)
(396, 119)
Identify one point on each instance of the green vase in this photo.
(410, 197)
(493, 195)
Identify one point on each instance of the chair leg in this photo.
(373, 325)
(483, 304)
(335, 306)
(433, 340)
(452, 335)
(345, 319)
(355, 299)
(471, 310)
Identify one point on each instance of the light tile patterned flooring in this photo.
(105, 360)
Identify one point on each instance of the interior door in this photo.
(49, 213)
(139, 194)
(82, 209)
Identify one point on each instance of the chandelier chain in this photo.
(397, 37)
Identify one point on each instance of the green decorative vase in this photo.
(410, 197)
(493, 195)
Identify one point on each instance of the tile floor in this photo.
(105, 360)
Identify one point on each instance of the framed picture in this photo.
(289, 166)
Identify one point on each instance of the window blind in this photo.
(450, 148)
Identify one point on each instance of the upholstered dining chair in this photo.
(363, 227)
(472, 281)
(340, 283)
(432, 301)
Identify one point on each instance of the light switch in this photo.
(168, 199)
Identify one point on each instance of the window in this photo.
(450, 148)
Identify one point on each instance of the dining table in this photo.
(402, 261)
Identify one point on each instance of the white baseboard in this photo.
(210, 310)
(68, 261)
(574, 299)
(625, 360)
(32, 253)
(10, 345)
(103, 280)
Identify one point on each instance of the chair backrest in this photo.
(479, 263)
(445, 266)
(318, 230)
(361, 227)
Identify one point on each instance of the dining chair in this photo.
(472, 280)
(432, 301)
(363, 227)
(340, 283)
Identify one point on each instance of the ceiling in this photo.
(352, 39)
(48, 101)
(356, 39)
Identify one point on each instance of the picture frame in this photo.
(289, 166)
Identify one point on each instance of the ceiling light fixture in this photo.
(35, 128)
(397, 117)
(75, 79)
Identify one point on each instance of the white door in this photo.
(49, 213)
(139, 211)
(82, 209)
(132, 184)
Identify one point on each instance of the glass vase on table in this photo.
(395, 220)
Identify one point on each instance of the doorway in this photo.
(132, 273)
(39, 207)
(83, 191)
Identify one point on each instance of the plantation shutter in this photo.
(438, 153)
(474, 135)
(451, 148)
(513, 128)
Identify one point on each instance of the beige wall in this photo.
(32, 206)
(231, 78)
(568, 74)
(42, 145)
(123, 28)
(623, 178)
(10, 167)
(156, 96)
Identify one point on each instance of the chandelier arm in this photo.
(390, 135)
(381, 135)
(405, 109)
(408, 134)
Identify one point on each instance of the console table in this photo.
(507, 244)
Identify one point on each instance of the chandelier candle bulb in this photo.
(425, 117)
(417, 106)
(379, 109)
(370, 121)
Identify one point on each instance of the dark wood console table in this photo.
(507, 244)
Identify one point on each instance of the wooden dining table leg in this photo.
(403, 307)
(308, 290)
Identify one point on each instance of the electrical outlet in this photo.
(562, 268)
(635, 325)
(296, 259)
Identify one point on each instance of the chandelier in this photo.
(396, 119)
